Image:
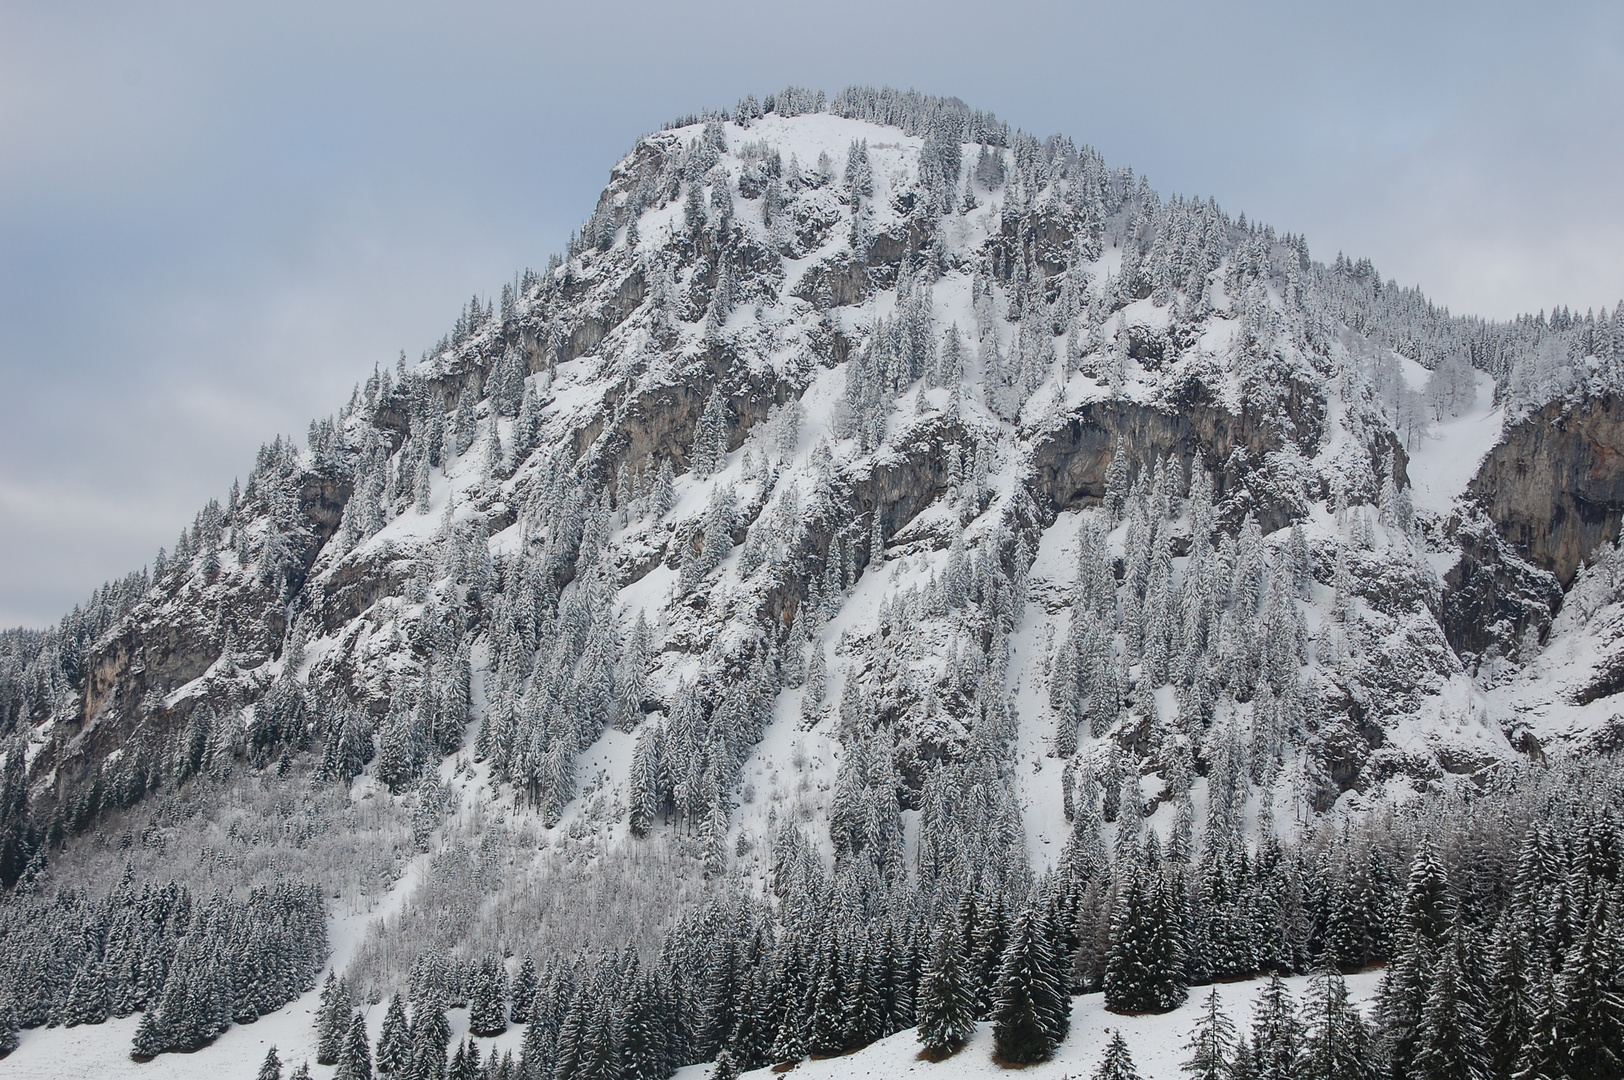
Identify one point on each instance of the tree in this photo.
(8, 1028)
(1031, 1010)
(355, 1061)
(1277, 1033)
(1117, 1064)
(1449, 1040)
(947, 1002)
(1336, 1045)
(1212, 1043)
(332, 1020)
(1589, 1000)
(395, 1040)
(1144, 968)
(487, 1004)
(524, 992)
(271, 1067)
(431, 1036)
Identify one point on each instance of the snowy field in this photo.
(1157, 1044)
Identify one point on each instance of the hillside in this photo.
(876, 511)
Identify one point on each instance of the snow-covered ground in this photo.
(1156, 1042)
(101, 1052)
(1448, 456)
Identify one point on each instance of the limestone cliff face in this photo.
(1555, 484)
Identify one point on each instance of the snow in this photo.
(102, 1051)
(1156, 1042)
(1449, 455)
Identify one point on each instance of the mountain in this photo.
(876, 511)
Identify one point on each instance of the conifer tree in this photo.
(8, 1027)
(524, 992)
(431, 1037)
(1117, 1064)
(355, 1060)
(1031, 1011)
(271, 1067)
(1589, 1000)
(1336, 1044)
(1211, 1044)
(1144, 968)
(487, 1005)
(1277, 1033)
(332, 1020)
(395, 1039)
(946, 1003)
(1449, 1039)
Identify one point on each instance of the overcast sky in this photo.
(213, 222)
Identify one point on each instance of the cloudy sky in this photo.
(213, 222)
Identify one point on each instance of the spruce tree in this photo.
(524, 992)
(1336, 1045)
(487, 1005)
(271, 1067)
(1211, 1044)
(1449, 1039)
(355, 1060)
(1589, 1000)
(1117, 1064)
(395, 1040)
(461, 1068)
(946, 1008)
(642, 1050)
(332, 1020)
(1277, 1033)
(1144, 968)
(8, 1028)
(431, 1037)
(1031, 1011)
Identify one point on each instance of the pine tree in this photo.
(524, 992)
(1117, 1064)
(355, 1061)
(1277, 1033)
(1031, 1011)
(946, 1003)
(1336, 1045)
(332, 1020)
(487, 1005)
(1211, 1044)
(395, 1040)
(726, 1068)
(1449, 1040)
(271, 1067)
(301, 1073)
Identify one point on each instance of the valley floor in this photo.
(101, 1052)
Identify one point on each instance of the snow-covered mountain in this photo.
(870, 486)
